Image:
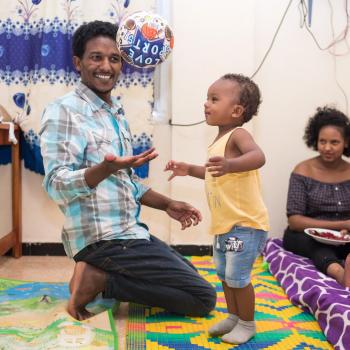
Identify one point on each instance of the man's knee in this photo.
(211, 300)
(208, 302)
(206, 309)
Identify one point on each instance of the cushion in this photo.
(312, 290)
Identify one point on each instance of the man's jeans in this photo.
(150, 273)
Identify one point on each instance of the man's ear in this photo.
(77, 63)
(237, 112)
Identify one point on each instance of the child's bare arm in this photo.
(183, 169)
(197, 171)
(250, 156)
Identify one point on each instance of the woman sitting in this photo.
(319, 195)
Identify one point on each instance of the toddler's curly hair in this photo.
(250, 96)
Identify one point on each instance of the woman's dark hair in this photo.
(250, 97)
(90, 30)
(326, 116)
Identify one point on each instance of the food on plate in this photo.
(330, 235)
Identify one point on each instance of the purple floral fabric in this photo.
(313, 291)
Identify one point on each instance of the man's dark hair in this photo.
(89, 31)
(250, 97)
(326, 116)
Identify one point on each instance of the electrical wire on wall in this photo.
(331, 47)
(341, 37)
(273, 39)
(336, 40)
(261, 63)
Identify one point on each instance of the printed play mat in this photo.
(280, 325)
(33, 316)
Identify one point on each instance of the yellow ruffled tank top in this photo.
(234, 199)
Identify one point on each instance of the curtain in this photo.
(36, 67)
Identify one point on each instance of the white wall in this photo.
(296, 78)
(233, 36)
(212, 38)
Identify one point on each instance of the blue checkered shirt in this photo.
(77, 131)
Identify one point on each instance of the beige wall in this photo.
(212, 38)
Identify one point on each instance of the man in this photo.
(86, 147)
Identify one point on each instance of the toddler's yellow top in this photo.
(234, 198)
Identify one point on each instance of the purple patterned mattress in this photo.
(315, 292)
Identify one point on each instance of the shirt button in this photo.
(339, 203)
(336, 188)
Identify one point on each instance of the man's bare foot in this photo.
(86, 283)
(347, 272)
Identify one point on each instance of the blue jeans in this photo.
(150, 273)
(235, 253)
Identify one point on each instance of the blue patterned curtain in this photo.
(36, 67)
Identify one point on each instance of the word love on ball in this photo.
(144, 39)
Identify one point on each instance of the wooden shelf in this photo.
(13, 239)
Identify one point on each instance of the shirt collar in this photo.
(95, 102)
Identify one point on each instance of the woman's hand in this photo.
(345, 226)
(344, 233)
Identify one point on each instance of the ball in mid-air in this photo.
(144, 39)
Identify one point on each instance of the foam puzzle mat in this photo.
(33, 316)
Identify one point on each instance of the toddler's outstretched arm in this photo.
(184, 169)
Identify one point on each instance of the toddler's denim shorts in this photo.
(235, 252)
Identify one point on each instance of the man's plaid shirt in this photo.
(77, 131)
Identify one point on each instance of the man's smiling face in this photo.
(99, 66)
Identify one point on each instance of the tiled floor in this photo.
(52, 269)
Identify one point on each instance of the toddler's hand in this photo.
(217, 166)
(178, 169)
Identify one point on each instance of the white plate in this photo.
(324, 240)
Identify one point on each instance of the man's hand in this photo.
(111, 164)
(217, 166)
(184, 213)
(178, 169)
(116, 163)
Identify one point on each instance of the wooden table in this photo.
(13, 240)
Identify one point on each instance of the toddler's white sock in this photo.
(223, 326)
(241, 333)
